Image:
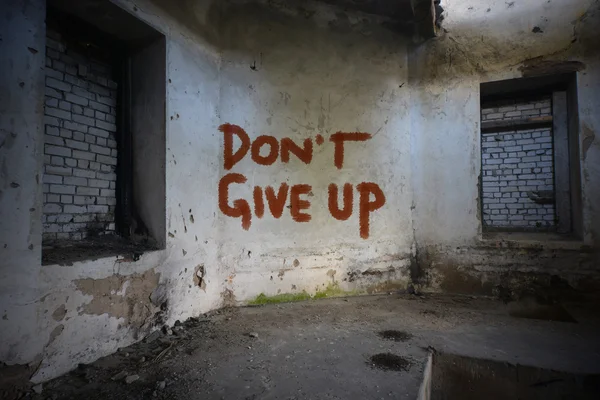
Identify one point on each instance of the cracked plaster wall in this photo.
(313, 72)
(488, 41)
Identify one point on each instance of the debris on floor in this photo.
(367, 347)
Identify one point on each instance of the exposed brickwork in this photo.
(516, 167)
(80, 151)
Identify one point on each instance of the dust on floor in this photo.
(371, 347)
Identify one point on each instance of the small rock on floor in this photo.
(131, 379)
(38, 388)
(253, 334)
(161, 385)
(119, 376)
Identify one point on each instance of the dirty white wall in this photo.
(489, 41)
(289, 76)
(23, 33)
(284, 74)
(56, 316)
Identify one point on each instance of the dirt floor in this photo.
(372, 347)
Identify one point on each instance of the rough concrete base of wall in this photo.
(511, 271)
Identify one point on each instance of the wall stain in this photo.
(55, 333)
(228, 298)
(121, 296)
(588, 138)
(199, 277)
(59, 313)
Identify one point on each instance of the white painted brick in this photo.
(113, 160)
(507, 108)
(58, 84)
(86, 191)
(107, 126)
(51, 102)
(83, 93)
(76, 99)
(100, 107)
(75, 209)
(75, 180)
(58, 113)
(513, 148)
(52, 178)
(82, 119)
(66, 133)
(62, 189)
(66, 199)
(83, 155)
(76, 81)
(52, 130)
(84, 173)
(49, 228)
(100, 150)
(64, 105)
(75, 126)
(84, 199)
(97, 208)
(55, 170)
(90, 138)
(110, 176)
(107, 192)
(98, 183)
(50, 139)
(53, 93)
(84, 218)
(99, 132)
(522, 107)
(74, 144)
(79, 136)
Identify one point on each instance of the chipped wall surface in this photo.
(289, 77)
(488, 41)
(288, 72)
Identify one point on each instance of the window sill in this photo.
(532, 239)
(67, 252)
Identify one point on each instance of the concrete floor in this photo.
(322, 349)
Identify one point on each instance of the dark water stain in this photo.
(396, 336)
(389, 362)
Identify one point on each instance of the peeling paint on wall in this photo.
(122, 296)
(588, 137)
